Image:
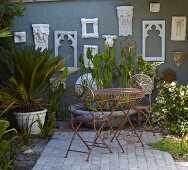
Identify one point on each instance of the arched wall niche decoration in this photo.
(72, 36)
(159, 26)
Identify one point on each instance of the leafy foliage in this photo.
(171, 108)
(25, 74)
(170, 145)
(148, 68)
(26, 130)
(106, 66)
(10, 146)
(127, 66)
(48, 128)
(8, 11)
(55, 95)
(103, 66)
(5, 33)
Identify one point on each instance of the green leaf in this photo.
(3, 127)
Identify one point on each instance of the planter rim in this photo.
(83, 112)
(30, 113)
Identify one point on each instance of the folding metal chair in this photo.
(144, 106)
(80, 97)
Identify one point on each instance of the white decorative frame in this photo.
(154, 6)
(72, 36)
(178, 28)
(160, 26)
(93, 21)
(94, 51)
(19, 37)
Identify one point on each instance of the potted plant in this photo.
(24, 79)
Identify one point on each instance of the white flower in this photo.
(173, 83)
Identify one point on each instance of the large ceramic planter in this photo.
(26, 119)
(115, 120)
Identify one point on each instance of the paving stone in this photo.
(135, 156)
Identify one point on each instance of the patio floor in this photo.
(135, 157)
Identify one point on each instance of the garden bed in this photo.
(27, 158)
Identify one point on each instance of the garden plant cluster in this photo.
(25, 75)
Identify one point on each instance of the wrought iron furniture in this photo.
(122, 99)
(144, 108)
(83, 97)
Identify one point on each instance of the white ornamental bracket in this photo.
(109, 40)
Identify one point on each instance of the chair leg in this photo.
(76, 133)
(133, 128)
(98, 133)
(147, 117)
(114, 136)
(119, 129)
(70, 144)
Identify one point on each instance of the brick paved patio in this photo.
(135, 157)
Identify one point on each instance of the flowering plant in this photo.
(148, 68)
(171, 108)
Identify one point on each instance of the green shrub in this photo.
(8, 12)
(171, 108)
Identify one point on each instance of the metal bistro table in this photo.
(123, 99)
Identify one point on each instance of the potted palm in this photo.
(24, 79)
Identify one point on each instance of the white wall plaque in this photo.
(125, 15)
(178, 28)
(154, 6)
(41, 32)
(19, 37)
(94, 22)
(109, 40)
(72, 36)
(94, 51)
(160, 26)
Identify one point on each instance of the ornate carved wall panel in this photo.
(41, 32)
(125, 15)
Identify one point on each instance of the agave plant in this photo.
(24, 77)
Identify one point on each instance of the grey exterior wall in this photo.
(65, 15)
